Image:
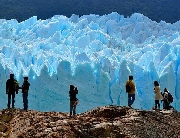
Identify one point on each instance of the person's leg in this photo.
(13, 99)
(168, 105)
(165, 105)
(158, 104)
(9, 100)
(132, 98)
(129, 99)
(25, 101)
(71, 107)
(155, 104)
(74, 109)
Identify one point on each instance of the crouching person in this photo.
(167, 99)
(73, 100)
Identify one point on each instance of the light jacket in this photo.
(158, 95)
(132, 85)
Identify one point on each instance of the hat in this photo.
(11, 75)
(130, 77)
(26, 78)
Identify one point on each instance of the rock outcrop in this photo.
(102, 122)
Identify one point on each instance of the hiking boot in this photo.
(130, 106)
(8, 106)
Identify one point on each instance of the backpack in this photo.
(170, 97)
(16, 85)
(128, 88)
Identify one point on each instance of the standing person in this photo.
(158, 95)
(25, 89)
(12, 87)
(130, 89)
(73, 100)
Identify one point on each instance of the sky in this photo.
(96, 54)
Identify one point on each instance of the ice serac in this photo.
(95, 53)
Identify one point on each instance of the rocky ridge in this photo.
(101, 122)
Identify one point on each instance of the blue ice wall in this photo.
(95, 53)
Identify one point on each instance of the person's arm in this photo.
(76, 90)
(7, 87)
(126, 84)
(70, 92)
(155, 89)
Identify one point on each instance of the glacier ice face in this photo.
(95, 53)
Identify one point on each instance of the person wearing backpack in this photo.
(158, 95)
(130, 89)
(73, 100)
(167, 99)
(12, 87)
(25, 89)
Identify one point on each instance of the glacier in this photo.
(96, 54)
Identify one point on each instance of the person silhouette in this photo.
(73, 100)
(130, 89)
(25, 89)
(158, 95)
(12, 87)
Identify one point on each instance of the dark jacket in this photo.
(12, 86)
(25, 87)
(72, 94)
